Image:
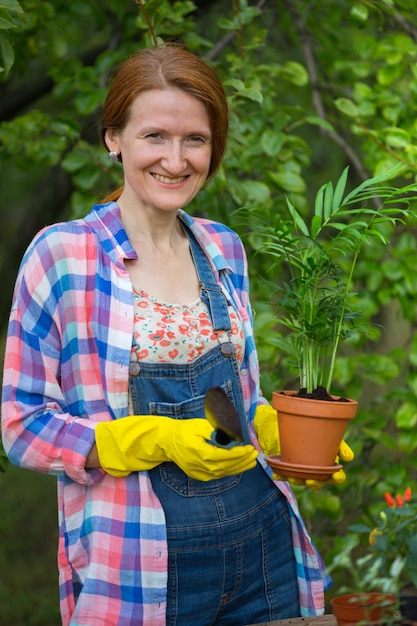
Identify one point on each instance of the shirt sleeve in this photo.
(39, 431)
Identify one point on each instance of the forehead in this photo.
(168, 106)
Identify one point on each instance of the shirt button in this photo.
(244, 371)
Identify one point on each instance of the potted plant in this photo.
(366, 607)
(385, 576)
(391, 561)
(316, 306)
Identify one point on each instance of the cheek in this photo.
(205, 160)
(139, 158)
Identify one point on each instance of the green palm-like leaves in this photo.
(316, 302)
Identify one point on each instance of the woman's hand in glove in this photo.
(266, 428)
(140, 442)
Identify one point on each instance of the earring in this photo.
(113, 156)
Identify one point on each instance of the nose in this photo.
(174, 160)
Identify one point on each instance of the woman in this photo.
(122, 321)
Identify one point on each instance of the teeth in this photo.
(165, 179)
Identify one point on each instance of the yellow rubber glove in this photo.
(141, 442)
(266, 428)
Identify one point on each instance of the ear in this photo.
(111, 137)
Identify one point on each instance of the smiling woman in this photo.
(121, 324)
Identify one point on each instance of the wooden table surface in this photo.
(321, 620)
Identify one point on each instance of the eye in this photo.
(197, 139)
(155, 137)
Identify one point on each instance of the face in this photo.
(166, 149)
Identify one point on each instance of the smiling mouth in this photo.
(169, 181)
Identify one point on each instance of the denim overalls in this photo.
(230, 553)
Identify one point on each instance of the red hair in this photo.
(169, 65)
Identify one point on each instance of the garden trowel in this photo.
(222, 415)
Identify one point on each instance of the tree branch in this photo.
(224, 42)
(406, 26)
(317, 100)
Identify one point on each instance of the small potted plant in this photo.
(391, 561)
(383, 579)
(365, 608)
(316, 306)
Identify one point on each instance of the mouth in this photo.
(169, 181)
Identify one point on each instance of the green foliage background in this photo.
(313, 86)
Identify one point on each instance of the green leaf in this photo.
(397, 138)
(346, 106)
(364, 187)
(256, 191)
(89, 102)
(11, 5)
(296, 73)
(316, 223)
(364, 44)
(359, 12)
(86, 178)
(328, 200)
(235, 83)
(387, 74)
(298, 220)
(407, 441)
(75, 161)
(7, 55)
(319, 202)
(362, 91)
(406, 416)
(246, 92)
(340, 190)
(412, 382)
(318, 121)
(289, 181)
(362, 69)
(366, 109)
(226, 24)
(6, 24)
(286, 345)
(272, 142)
(252, 94)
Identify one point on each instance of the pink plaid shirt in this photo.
(66, 368)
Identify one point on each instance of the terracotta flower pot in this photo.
(310, 434)
(368, 607)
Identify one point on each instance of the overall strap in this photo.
(211, 293)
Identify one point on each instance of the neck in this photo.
(160, 228)
(157, 237)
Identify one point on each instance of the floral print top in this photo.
(178, 333)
